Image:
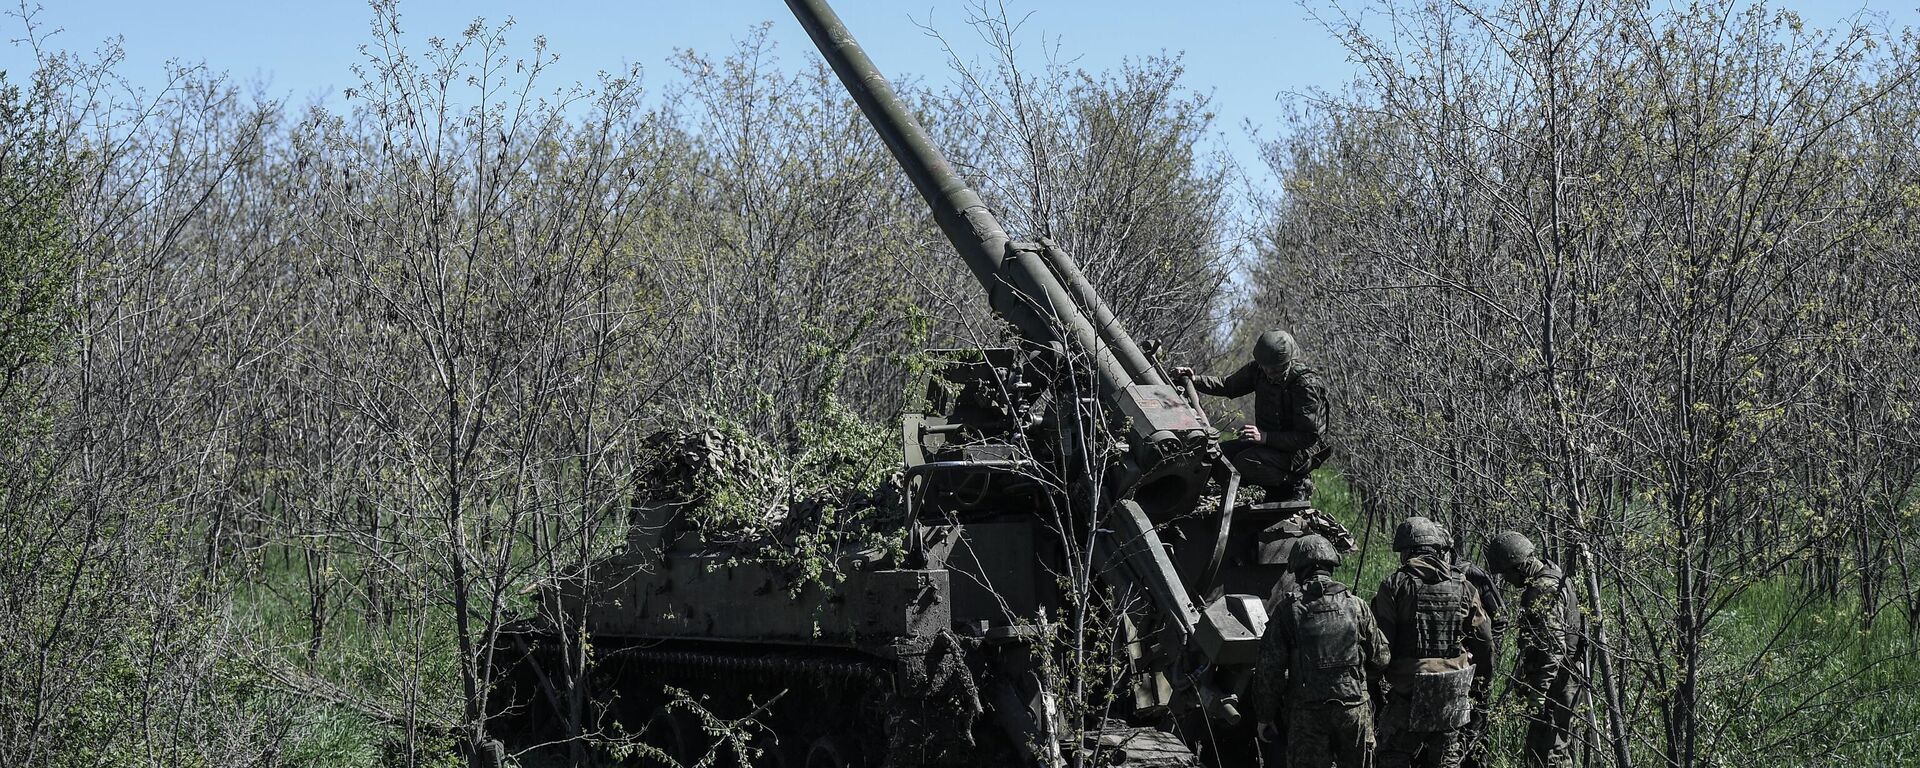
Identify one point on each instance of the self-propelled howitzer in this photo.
(1057, 478)
(1167, 452)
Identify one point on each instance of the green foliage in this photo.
(840, 449)
(59, 674)
(325, 735)
(354, 383)
(846, 479)
(733, 741)
(37, 257)
(38, 260)
(833, 494)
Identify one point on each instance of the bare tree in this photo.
(1582, 261)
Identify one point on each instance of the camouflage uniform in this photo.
(1495, 607)
(1291, 413)
(1319, 653)
(1551, 669)
(1436, 628)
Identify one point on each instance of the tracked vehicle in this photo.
(1063, 464)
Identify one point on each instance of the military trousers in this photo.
(1330, 735)
(1268, 466)
(1401, 746)
(1475, 753)
(1550, 723)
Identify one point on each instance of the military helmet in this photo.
(1274, 348)
(1507, 550)
(1420, 532)
(1312, 550)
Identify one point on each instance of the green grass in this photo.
(409, 661)
(1801, 681)
(1373, 557)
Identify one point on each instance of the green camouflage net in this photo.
(838, 491)
(732, 485)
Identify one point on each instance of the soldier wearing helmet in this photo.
(1495, 608)
(1278, 539)
(1282, 445)
(1321, 652)
(1550, 671)
(1442, 649)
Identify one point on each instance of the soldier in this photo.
(1278, 540)
(1282, 445)
(1441, 642)
(1495, 608)
(1550, 672)
(1320, 655)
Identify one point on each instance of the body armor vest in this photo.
(1438, 607)
(1326, 648)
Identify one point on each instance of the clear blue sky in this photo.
(1247, 53)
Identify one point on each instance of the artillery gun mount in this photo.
(1056, 478)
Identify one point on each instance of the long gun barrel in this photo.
(1038, 289)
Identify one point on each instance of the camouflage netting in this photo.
(734, 487)
(840, 488)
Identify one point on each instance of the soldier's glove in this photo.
(1268, 732)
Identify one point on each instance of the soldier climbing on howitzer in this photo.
(1282, 446)
(1278, 450)
(1321, 654)
(1442, 651)
(1550, 671)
